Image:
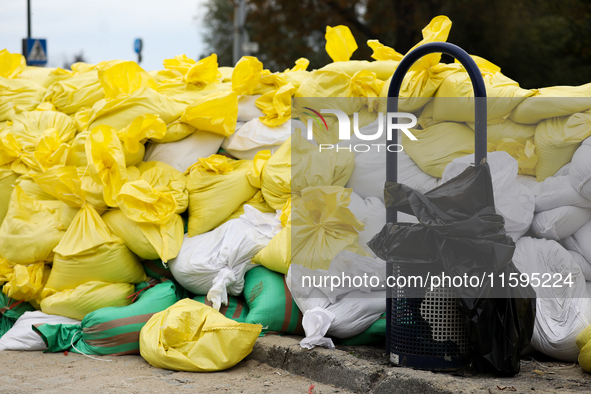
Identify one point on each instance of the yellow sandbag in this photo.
(89, 251)
(148, 241)
(216, 182)
(328, 83)
(524, 153)
(143, 204)
(503, 95)
(74, 93)
(584, 344)
(439, 145)
(62, 183)
(77, 152)
(340, 43)
(312, 168)
(319, 228)
(191, 336)
(7, 179)
(124, 79)
(18, 95)
(553, 102)
(29, 127)
(120, 112)
(51, 151)
(556, 141)
(27, 281)
(382, 52)
(383, 69)
(6, 270)
(508, 129)
(106, 161)
(216, 112)
(11, 64)
(32, 228)
(176, 131)
(246, 75)
(204, 72)
(300, 65)
(32, 189)
(166, 179)
(181, 64)
(276, 105)
(257, 201)
(84, 299)
(45, 76)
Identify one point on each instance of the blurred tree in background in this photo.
(535, 42)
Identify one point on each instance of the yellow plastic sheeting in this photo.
(439, 145)
(106, 161)
(321, 226)
(7, 179)
(556, 141)
(11, 64)
(84, 299)
(27, 281)
(148, 241)
(313, 168)
(73, 94)
(552, 102)
(504, 95)
(124, 79)
(32, 228)
(18, 95)
(120, 112)
(89, 251)
(340, 43)
(191, 336)
(217, 187)
(246, 75)
(216, 112)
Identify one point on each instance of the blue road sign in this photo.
(36, 51)
(137, 45)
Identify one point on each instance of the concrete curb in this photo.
(362, 375)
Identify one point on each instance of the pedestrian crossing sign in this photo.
(36, 51)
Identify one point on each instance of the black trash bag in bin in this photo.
(460, 232)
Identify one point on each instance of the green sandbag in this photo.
(236, 309)
(270, 302)
(112, 331)
(375, 333)
(10, 313)
(155, 269)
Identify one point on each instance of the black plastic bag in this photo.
(460, 232)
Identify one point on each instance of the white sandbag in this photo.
(561, 222)
(528, 181)
(580, 172)
(589, 288)
(561, 312)
(557, 191)
(372, 212)
(580, 242)
(369, 174)
(564, 170)
(355, 307)
(247, 109)
(255, 136)
(186, 152)
(582, 262)
(22, 337)
(513, 201)
(214, 263)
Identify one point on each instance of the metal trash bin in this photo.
(427, 331)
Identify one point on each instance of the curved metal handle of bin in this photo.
(480, 118)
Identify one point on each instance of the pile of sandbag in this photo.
(137, 205)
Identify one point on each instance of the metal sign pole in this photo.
(392, 105)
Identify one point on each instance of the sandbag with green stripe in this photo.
(155, 269)
(270, 303)
(236, 309)
(376, 333)
(10, 311)
(113, 331)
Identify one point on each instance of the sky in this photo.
(105, 29)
